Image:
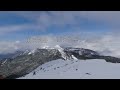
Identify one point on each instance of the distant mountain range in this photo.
(9, 55)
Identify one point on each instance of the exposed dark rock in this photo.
(111, 59)
(34, 73)
(88, 73)
(76, 69)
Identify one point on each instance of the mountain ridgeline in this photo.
(22, 63)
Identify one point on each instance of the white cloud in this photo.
(105, 44)
(7, 47)
(15, 28)
(12, 46)
(8, 29)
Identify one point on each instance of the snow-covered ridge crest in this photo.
(32, 52)
(61, 50)
(66, 52)
(64, 55)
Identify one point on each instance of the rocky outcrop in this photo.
(110, 59)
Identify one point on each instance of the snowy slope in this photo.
(76, 69)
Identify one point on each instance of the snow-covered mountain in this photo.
(31, 61)
(76, 69)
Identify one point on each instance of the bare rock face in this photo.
(26, 62)
(82, 53)
(111, 59)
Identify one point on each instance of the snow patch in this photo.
(32, 52)
(61, 50)
(46, 47)
(4, 62)
(74, 57)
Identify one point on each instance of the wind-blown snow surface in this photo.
(76, 69)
